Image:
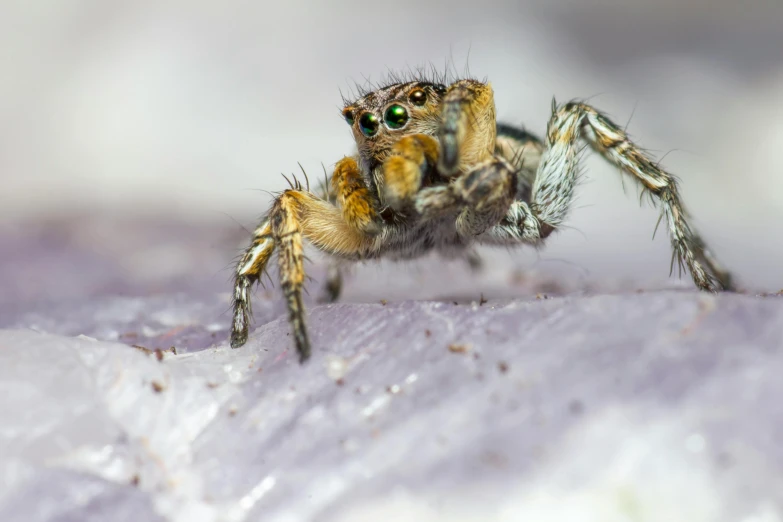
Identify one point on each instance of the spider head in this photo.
(382, 117)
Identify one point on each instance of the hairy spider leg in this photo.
(248, 272)
(294, 214)
(412, 159)
(468, 129)
(557, 176)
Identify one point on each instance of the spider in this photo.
(434, 171)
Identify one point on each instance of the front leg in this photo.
(354, 197)
(479, 199)
(295, 214)
(468, 129)
(410, 165)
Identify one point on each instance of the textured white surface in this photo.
(655, 406)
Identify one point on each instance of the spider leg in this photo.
(468, 129)
(611, 142)
(249, 270)
(474, 261)
(334, 284)
(295, 214)
(557, 175)
(480, 198)
(519, 225)
(406, 169)
(353, 196)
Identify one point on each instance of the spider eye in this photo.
(348, 115)
(396, 116)
(418, 97)
(368, 123)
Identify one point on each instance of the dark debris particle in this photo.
(135, 480)
(576, 407)
(495, 460)
(157, 352)
(503, 367)
(340, 382)
(384, 302)
(428, 333)
(143, 349)
(158, 387)
(482, 300)
(724, 460)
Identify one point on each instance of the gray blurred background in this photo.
(166, 111)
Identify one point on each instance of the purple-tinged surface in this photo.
(576, 405)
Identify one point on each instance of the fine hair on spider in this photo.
(434, 171)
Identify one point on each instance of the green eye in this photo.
(348, 115)
(396, 116)
(368, 123)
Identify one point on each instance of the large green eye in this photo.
(368, 123)
(395, 116)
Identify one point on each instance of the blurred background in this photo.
(142, 132)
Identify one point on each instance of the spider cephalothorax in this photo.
(434, 171)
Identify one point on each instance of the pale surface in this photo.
(654, 405)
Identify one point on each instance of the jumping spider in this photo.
(435, 171)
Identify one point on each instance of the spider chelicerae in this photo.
(435, 171)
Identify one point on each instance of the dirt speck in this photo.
(459, 348)
(143, 349)
(576, 407)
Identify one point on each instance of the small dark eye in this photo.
(418, 97)
(395, 116)
(348, 115)
(368, 123)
